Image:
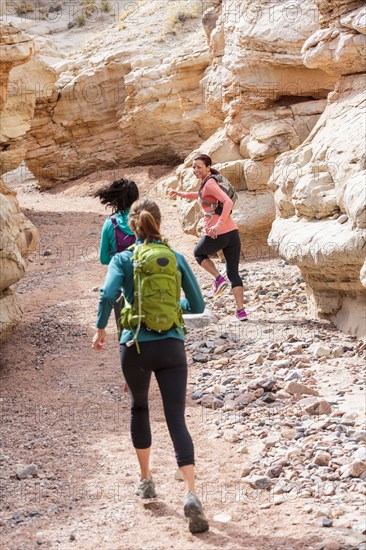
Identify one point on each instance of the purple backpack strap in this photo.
(123, 240)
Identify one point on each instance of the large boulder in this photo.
(18, 238)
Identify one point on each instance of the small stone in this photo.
(319, 350)
(322, 458)
(296, 388)
(274, 471)
(260, 482)
(243, 450)
(268, 397)
(355, 469)
(211, 402)
(279, 499)
(30, 470)
(338, 351)
(272, 440)
(200, 358)
(289, 433)
(72, 537)
(255, 359)
(315, 406)
(197, 395)
(229, 406)
(266, 383)
(231, 436)
(244, 399)
(329, 545)
(292, 376)
(47, 252)
(360, 454)
(246, 471)
(326, 522)
(224, 517)
(293, 453)
(343, 218)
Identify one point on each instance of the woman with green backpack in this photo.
(151, 276)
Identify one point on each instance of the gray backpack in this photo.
(226, 186)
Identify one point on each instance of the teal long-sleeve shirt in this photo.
(120, 275)
(107, 247)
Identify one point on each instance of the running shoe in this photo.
(241, 315)
(219, 286)
(146, 488)
(197, 521)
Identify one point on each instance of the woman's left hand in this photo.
(213, 232)
(98, 339)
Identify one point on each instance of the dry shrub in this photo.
(181, 11)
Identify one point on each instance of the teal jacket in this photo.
(107, 241)
(120, 275)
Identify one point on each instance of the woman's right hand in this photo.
(98, 339)
(173, 194)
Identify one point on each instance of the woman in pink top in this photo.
(221, 232)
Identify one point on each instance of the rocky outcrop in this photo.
(321, 201)
(18, 236)
(268, 102)
(340, 48)
(126, 98)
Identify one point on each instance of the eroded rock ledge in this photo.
(320, 188)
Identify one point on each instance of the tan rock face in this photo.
(321, 207)
(18, 236)
(320, 188)
(269, 101)
(126, 98)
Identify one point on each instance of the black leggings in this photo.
(167, 359)
(229, 243)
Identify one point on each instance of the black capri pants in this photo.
(167, 359)
(230, 245)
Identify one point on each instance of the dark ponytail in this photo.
(119, 195)
(145, 219)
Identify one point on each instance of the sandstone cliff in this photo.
(320, 188)
(268, 100)
(18, 237)
(132, 95)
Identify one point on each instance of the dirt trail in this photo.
(63, 409)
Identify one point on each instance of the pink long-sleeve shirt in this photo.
(212, 192)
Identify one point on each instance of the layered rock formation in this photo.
(126, 98)
(18, 236)
(321, 199)
(269, 101)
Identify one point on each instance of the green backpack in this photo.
(157, 284)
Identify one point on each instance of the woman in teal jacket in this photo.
(116, 232)
(118, 196)
(163, 354)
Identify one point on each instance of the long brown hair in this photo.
(144, 219)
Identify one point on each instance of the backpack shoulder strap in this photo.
(114, 221)
(202, 200)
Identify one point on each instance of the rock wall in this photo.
(320, 188)
(267, 99)
(18, 236)
(130, 96)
